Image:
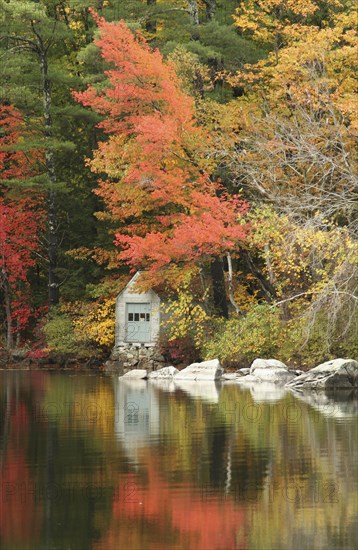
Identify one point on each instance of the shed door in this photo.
(138, 323)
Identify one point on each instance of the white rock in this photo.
(137, 374)
(338, 373)
(243, 372)
(234, 375)
(207, 370)
(165, 372)
(271, 370)
(274, 375)
(266, 371)
(266, 364)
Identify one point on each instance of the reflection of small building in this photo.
(137, 415)
(137, 315)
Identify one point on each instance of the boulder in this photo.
(243, 372)
(137, 374)
(272, 371)
(207, 370)
(234, 375)
(267, 364)
(274, 375)
(337, 373)
(266, 370)
(165, 372)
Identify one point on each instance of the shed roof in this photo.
(132, 282)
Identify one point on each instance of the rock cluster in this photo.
(335, 374)
(205, 371)
(268, 370)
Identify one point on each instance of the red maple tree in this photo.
(158, 191)
(20, 225)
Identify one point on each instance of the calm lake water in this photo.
(90, 462)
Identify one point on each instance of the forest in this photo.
(210, 144)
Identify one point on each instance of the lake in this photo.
(92, 462)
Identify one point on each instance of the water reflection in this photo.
(205, 390)
(91, 462)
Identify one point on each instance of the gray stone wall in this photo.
(126, 357)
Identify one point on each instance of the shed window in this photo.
(130, 316)
(136, 316)
(148, 317)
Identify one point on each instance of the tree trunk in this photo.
(7, 304)
(231, 293)
(219, 289)
(193, 11)
(53, 283)
(18, 334)
(210, 8)
(269, 264)
(265, 285)
(151, 25)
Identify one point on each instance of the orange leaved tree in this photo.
(157, 188)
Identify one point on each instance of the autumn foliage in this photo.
(20, 224)
(252, 103)
(158, 189)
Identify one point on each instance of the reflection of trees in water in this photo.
(249, 471)
(20, 517)
(287, 457)
(160, 515)
(217, 446)
(206, 464)
(238, 471)
(212, 454)
(53, 461)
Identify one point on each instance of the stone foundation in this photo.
(126, 357)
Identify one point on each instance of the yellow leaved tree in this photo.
(276, 22)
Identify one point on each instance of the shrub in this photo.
(241, 339)
(59, 333)
(178, 350)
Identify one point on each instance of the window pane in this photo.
(136, 316)
(142, 316)
(130, 316)
(148, 317)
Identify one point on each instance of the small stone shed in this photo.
(137, 316)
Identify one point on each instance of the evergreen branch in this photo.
(31, 43)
